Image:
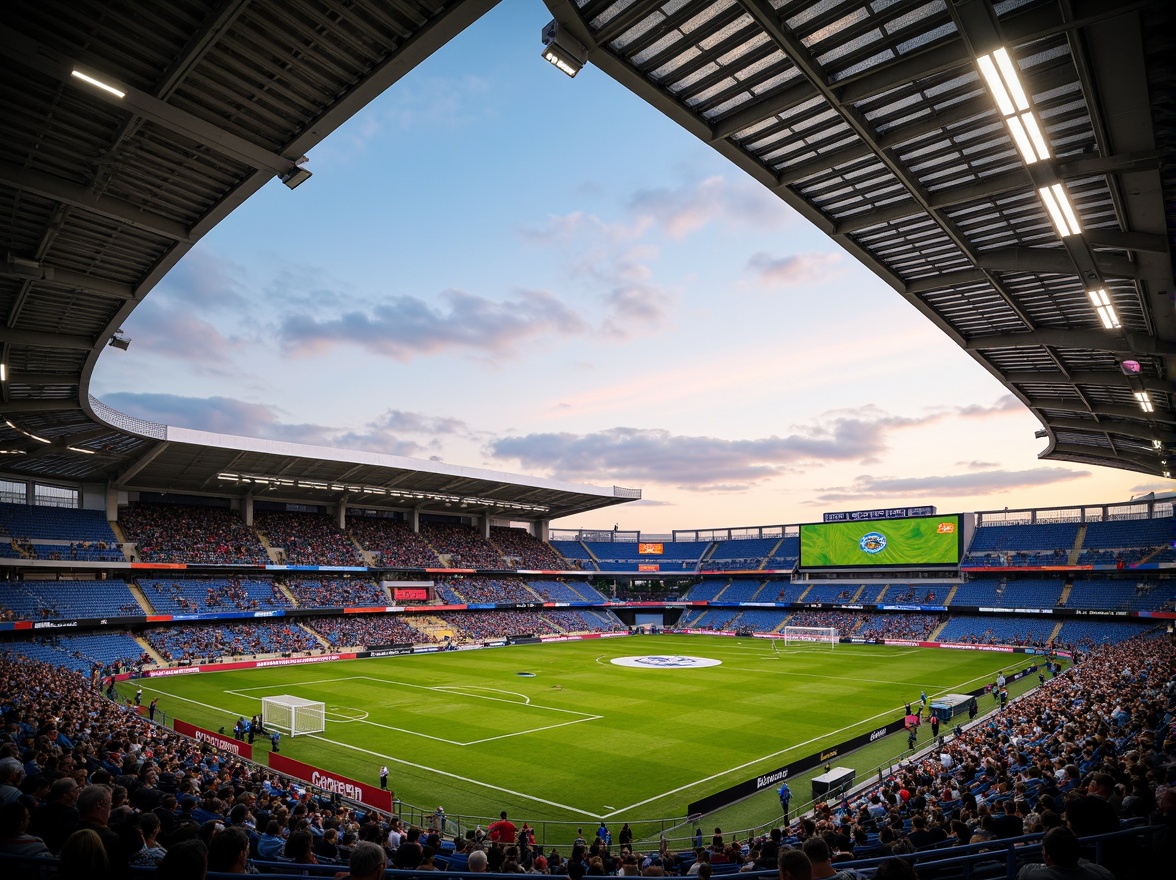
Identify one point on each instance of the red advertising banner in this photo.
(648, 566)
(247, 664)
(217, 740)
(651, 549)
(368, 795)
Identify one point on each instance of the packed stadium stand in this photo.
(307, 538)
(520, 549)
(180, 533)
(368, 630)
(394, 544)
(210, 642)
(337, 593)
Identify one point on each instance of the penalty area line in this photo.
(459, 778)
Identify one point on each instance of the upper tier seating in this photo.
(55, 523)
(397, 545)
(308, 538)
(575, 554)
(626, 555)
(462, 545)
(520, 549)
(747, 553)
(178, 533)
(42, 600)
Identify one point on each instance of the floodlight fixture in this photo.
(119, 341)
(1144, 401)
(1057, 203)
(97, 83)
(1104, 308)
(3, 372)
(1157, 444)
(295, 175)
(563, 50)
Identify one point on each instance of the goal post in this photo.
(294, 716)
(811, 635)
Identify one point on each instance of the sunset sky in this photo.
(495, 265)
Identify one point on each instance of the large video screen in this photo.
(920, 540)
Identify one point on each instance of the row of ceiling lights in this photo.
(357, 489)
(1000, 74)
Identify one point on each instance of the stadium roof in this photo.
(872, 119)
(131, 129)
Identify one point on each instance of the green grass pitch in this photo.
(583, 738)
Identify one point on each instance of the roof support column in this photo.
(112, 504)
(485, 523)
(541, 529)
(414, 520)
(247, 509)
(341, 514)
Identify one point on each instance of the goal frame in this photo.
(811, 634)
(294, 716)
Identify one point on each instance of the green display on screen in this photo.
(921, 540)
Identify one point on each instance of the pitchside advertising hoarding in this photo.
(923, 540)
(216, 740)
(370, 795)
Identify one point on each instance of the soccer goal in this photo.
(810, 635)
(294, 716)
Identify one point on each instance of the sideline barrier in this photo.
(217, 740)
(351, 789)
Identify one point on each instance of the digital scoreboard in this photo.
(909, 542)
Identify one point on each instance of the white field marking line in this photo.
(193, 702)
(427, 769)
(444, 689)
(475, 742)
(774, 754)
(462, 688)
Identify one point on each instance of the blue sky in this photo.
(495, 265)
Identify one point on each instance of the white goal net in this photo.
(810, 635)
(294, 716)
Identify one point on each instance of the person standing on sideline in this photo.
(151, 709)
(785, 799)
(383, 779)
(934, 725)
(274, 738)
(139, 696)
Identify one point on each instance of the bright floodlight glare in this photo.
(1105, 309)
(118, 93)
(1145, 403)
(999, 92)
(1157, 444)
(1058, 206)
(1012, 81)
(1021, 139)
(3, 372)
(1035, 134)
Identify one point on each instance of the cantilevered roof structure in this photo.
(1030, 228)
(876, 121)
(130, 130)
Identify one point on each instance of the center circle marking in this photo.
(665, 661)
